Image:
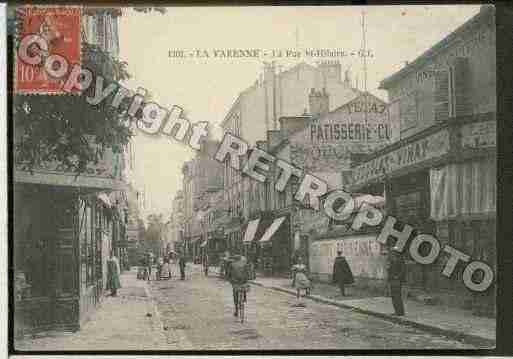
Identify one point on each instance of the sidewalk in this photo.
(452, 322)
(129, 321)
(456, 323)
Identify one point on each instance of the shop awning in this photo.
(249, 235)
(272, 229)
(105, 199)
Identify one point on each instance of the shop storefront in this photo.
(274, 246)
(442, 181)
(61, 242)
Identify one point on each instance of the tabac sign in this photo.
(360, 126)
(430, 147)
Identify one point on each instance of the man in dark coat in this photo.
(342, 274)
(396, 277)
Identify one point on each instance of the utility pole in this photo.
(364, 53)
(297, 46)
(266, 101)
(275, 121)
(280, 67)
(364, 50)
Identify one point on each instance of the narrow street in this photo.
(202, 310)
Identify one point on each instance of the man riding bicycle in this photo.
(239, 275)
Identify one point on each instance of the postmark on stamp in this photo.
(60, 28)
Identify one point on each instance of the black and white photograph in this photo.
(253, 178)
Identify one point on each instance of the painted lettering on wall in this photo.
(427, 148)
(479, 135)
(329, 132)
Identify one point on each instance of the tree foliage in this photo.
(60, 128)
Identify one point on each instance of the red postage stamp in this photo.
(59, 29)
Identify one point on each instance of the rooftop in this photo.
(487, 11)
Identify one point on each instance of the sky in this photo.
(206, 88)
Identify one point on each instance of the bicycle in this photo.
(241, 299)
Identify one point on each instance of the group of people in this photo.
(164, 266)
(343, 276)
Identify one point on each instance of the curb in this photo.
(482, 343)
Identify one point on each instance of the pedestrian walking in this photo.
(160, 264)
(113, 271)
(165, 270)
(181, 263)
(172, 265)
(396, 277)
(342, 274)
(205, 264)
(254, 265)
(301, 281)
(226, 265)
(149, 264)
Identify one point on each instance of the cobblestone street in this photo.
(201, 310)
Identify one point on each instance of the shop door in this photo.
(46, 259)
(66, 253)
(410, 204)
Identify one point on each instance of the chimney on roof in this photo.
(274, 137)
(319, 102)
(262, 145)
(291, 124)
(331, 69)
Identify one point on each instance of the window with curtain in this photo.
(463, 190)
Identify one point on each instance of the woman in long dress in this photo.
(165, 270)
(113, 272)
(301, 280)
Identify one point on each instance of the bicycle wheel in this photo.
(241, 305)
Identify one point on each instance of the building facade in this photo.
(65, 226)
(441, 176)
(202, 176)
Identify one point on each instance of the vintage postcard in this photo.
(253, 178)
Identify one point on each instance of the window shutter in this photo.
(461, 87)
(408, 111)
(441, 96)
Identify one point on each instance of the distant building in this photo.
(201, 176)
(258, 108)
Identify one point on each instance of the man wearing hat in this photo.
(239, 276)
(396, 277)
(342, 274)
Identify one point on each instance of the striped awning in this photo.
(272, 229)
(105, 199)
(249, 235)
